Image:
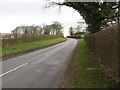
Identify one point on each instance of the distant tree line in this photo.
(27, 34)
(54, 29)
(76, 32)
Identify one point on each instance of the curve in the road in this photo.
(39, 69)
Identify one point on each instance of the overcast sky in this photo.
(19, 12)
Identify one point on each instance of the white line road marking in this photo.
(13, 69)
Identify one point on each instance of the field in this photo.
(25, 38)
(28, 46)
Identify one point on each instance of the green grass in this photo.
(84, 78)
(28, 46)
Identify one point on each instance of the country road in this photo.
(39, 69)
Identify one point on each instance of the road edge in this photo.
(64, 80)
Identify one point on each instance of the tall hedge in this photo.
(104, 46)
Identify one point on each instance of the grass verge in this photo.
(28, 46)
(88, 72)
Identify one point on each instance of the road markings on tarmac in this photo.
(13, 69)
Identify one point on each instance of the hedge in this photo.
(104, 45)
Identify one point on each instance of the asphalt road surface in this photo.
(39, 69)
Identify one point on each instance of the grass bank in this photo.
(28, 46)
(88, 72)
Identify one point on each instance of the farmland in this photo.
(28, 46)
